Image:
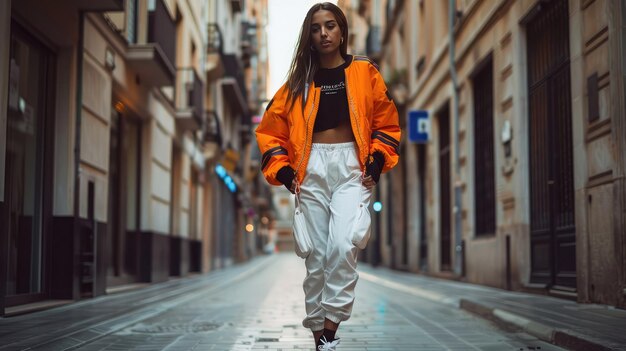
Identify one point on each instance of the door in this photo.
(421, 186)
(553, 231)
(123, 198)
(445, 212)
(27, 207)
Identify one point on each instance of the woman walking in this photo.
(327, 135)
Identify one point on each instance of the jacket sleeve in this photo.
(385, 127)
(272, 136)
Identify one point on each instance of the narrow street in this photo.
(150, 150)
(254, 306)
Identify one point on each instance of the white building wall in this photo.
(95, 133)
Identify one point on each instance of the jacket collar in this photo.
(348, 59)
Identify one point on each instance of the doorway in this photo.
(123, 198)
(26, 211)
(445, 213)
(421, 188)
(553, 230)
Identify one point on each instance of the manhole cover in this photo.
(182, 328)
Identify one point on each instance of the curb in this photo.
(559, 337)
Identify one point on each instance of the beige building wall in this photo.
(156, 109)
(95, 122)
(493, 29)
(597, 50)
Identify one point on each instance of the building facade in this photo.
(529, 138)
(121, 129)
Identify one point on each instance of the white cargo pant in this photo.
(330, 196)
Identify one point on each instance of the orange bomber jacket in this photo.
(285, 137)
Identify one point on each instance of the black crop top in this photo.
(333, 105)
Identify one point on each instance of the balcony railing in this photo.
(154, 61)
(248, 42)
(162, 30)
(215, 49)
(233, 69)
(212, 136)
(236, 5)
(235, 92)
(212, 131)
(100, 5)
(215, 39)
(373, 45)
(189, 99)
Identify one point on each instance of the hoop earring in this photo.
(312, 48)
(341, 40)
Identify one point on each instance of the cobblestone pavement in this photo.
(263, 310)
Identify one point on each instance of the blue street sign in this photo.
(419, 126)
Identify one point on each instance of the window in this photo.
(484, 169)
(131, 21)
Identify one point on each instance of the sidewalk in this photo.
(78, 324)
(565, 323)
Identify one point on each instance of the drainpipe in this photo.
(458, 213)
(77, 126)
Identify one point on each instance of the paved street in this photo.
(254, 306)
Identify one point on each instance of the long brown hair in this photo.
(305, 61)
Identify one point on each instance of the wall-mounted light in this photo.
(119, 107)
(506, 138)
(109, 59)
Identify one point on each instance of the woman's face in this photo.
(325, 32)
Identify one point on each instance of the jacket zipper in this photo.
(351, 103)
(306, 133)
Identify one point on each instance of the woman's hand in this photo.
(293, 186)
(287, 176)
(373, 168)
(368, 182)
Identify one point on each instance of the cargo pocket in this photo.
(361, 227)
(302, 245)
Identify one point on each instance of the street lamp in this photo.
(378, 206)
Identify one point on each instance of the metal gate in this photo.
(553, 245)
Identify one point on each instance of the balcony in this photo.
(373, 44)
(233, 84)
(189, 100)
(248, 42)
(236, 5)
(214, 64)
(155, 60)
(212, 136)
(100, 5)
